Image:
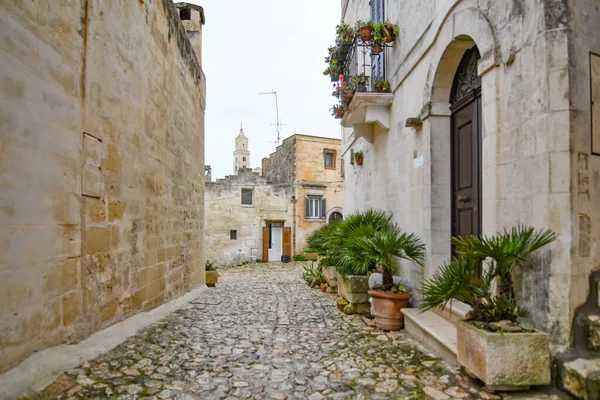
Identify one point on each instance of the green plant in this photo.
(299, 257)
(382, 248)
(338, 242)
(316, 242)
(382, 85)
(359, 82)
(358, 154)
(259, 261)
(379, 33)
(344, 33)
(461, 278)
(208, 266)
(324, 285)
(341, 300)
(313, 275)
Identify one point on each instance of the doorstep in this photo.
(433, 332)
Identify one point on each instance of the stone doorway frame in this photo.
(462, 28)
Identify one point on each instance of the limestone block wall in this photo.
(101, 167)
(225, 212)
(527, 137)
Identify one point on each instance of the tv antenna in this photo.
(278, 124)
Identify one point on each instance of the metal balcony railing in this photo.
(363, 59)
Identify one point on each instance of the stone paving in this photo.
(263, 333)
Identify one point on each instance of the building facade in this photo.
(101, 166)
(492, 121)
(270, 210)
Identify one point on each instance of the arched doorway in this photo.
(465, 145)
(335, 214)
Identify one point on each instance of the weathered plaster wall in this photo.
(225, 212)
(311, 174)
(101, 155)
(526, 141)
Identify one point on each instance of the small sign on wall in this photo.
(418, 162)
(595, 101)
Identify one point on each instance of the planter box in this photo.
(212, 278)
(513, 361)
(330, 275)
(354, 289)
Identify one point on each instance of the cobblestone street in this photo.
(263, 333)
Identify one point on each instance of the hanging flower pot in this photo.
(366, 33)
(358, 158)
(376, 48)
(339, 113)
(388, 33)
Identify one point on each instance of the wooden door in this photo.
(466, 168)
(287, 241)
(265, 244)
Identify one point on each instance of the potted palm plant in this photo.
(212, 276)
(492, 344)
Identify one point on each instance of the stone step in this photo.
(581, 377)
(454, 311)
(432, 332)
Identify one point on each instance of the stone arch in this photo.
(333, 210)
(462, 28)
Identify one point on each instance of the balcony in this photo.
(364, 91)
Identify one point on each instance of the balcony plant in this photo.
(390, 31)
(365, 30)
(359, 82)
(491, 343)
(344, 34)
(338, 110)
(382, 86)
(358, 157)
(212, 276)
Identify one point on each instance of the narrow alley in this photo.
(263, 333)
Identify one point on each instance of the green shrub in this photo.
(299, 257)
(208, 266)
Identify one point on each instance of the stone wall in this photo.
(102, 156)
(527, 142)
(225, 212)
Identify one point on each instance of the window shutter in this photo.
(377, 60)
(323, 208)
(306, 208)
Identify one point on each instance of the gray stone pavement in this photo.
(263, 333)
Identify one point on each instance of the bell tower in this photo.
(241, 155)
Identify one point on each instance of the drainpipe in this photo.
(294, 201)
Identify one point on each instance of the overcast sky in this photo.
(252, 46)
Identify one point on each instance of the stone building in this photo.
(492, 121)
(101, 166)
(273, 208)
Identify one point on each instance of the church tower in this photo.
(241, 155)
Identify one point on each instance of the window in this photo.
(185, 14)
(243, 158)
(329, 159)
(233, 235)
(315, 208)
(248, 197)
(377, 60)
(335, 216)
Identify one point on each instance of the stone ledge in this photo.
(454, 311)
(433, 332)
(367, 110)
(581, 378)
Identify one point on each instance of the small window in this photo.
(185, 14)
(335, 216)
(247, 197)
(233, 235)
(315, 208)
(243, 158)
(329, 159)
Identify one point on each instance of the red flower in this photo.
(341, 77)
(343, 84)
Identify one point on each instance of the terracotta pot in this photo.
(366, 33)
(389, 34)
(324, 289)
(341, 306)
(386, 307)
(348, 95)
(358, 160)
(339, 113)
(376, 48)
